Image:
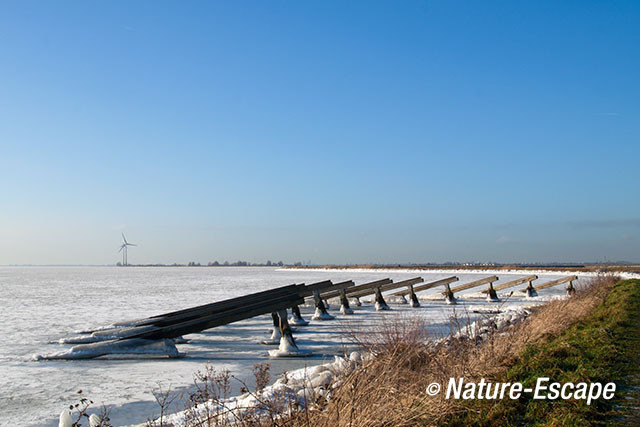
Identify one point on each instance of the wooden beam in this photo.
(357, 288)
(512, 283)
(194, 312)
(319, 286)
(225, 305)
(106, 334)
(321, 312)
(262, 298)
(553, 283)
(472, 284)
(339, 286)
(426, 286)
(218, 319)
(387, 287)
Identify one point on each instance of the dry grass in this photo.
(390, 388)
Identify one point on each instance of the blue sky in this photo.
(336, 132)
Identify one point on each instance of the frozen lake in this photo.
(42, 304)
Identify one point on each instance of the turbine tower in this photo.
(124, 246)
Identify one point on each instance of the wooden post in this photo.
(378, 287)
(571, 291)
(512, 283)
(321, 311)
(531, 291)
(288, 346)
(493, 295)
(283, 325)
(322, 293)
(296, 317)
(418, 288)
(448, 295)
(344, 303)
(276, 333)
(356, 290)
(380, 304)
(414, 298)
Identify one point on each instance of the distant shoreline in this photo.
(584, 268)
(552, 268)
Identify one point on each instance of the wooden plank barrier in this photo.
(296, 317)
(377, 290)
(158, 337)
(386, 287)
(165, 319)
(346, 293)
(356, 288)
(174, 330)
(532, 291)
(449, 293)
(492, 290)
(412, 290)
(321, 310)
(200, 310)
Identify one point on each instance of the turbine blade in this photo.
(124, 238)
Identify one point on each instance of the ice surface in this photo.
(134, 346)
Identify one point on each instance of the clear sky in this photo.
(336, 132)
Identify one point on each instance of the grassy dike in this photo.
(603, 347)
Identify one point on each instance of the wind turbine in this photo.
(124, 246)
